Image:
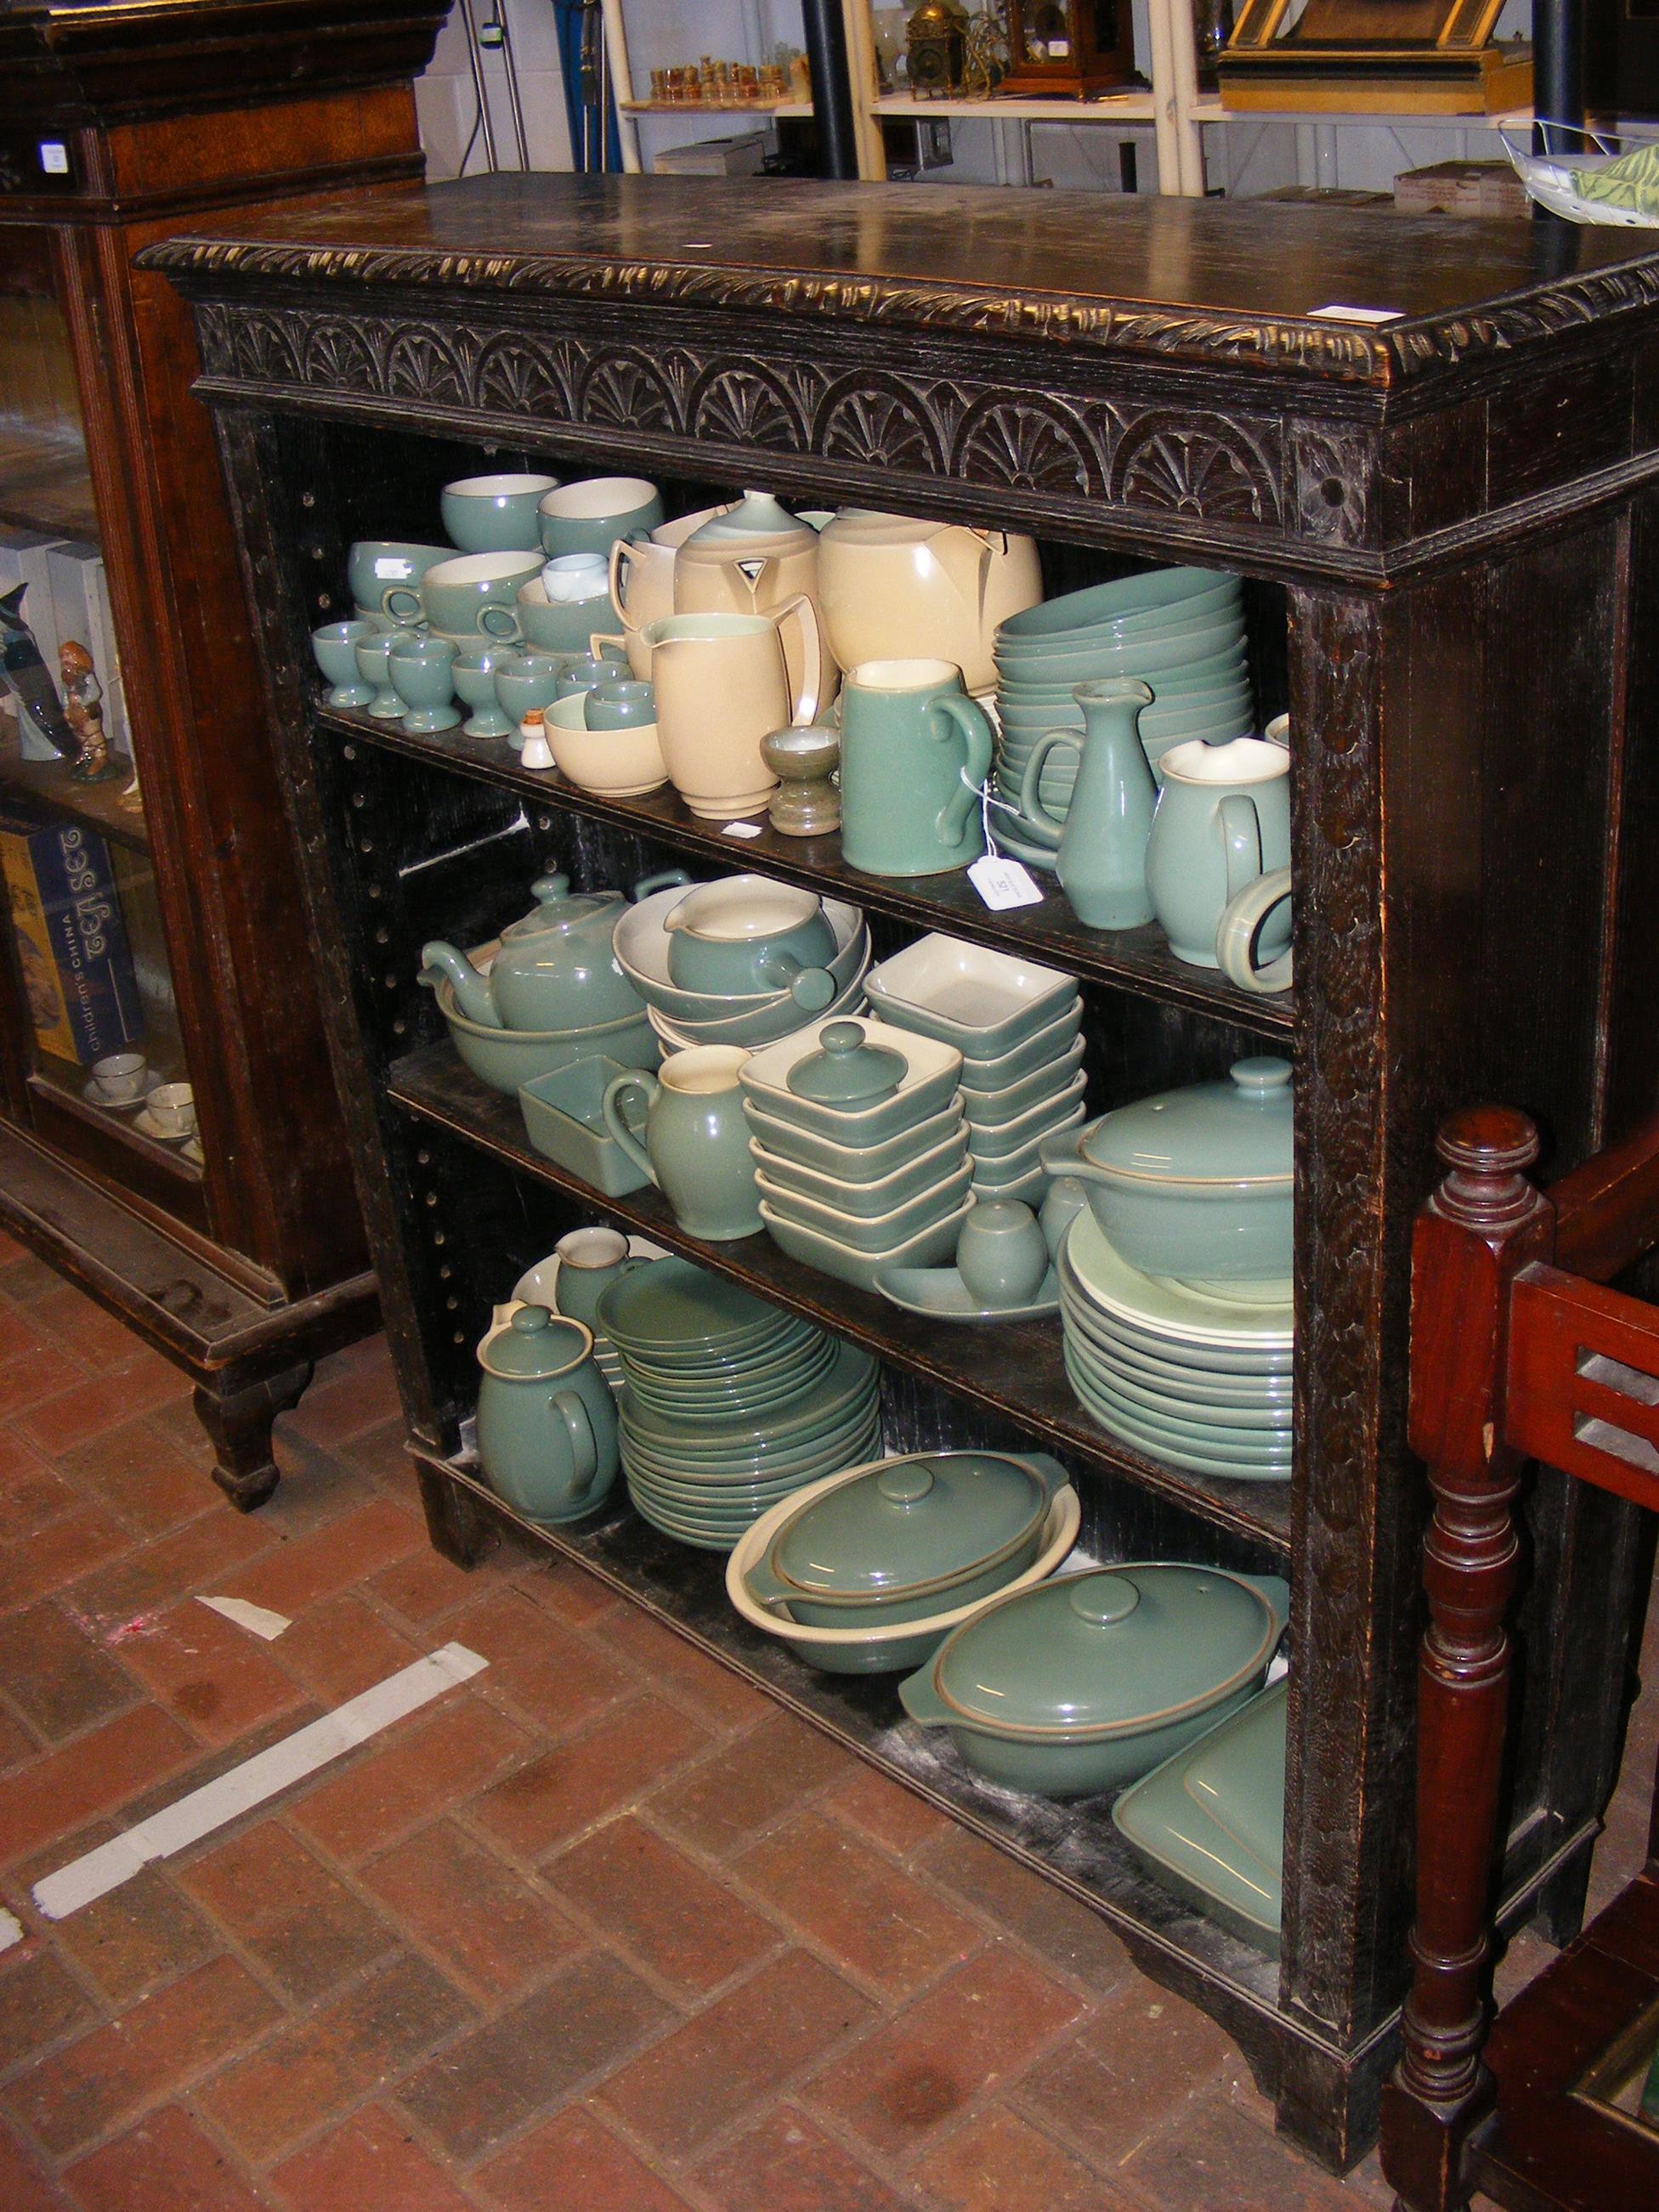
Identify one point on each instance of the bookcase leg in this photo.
(238, 1423)
(461, 1530)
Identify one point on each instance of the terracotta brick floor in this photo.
(600, 1929)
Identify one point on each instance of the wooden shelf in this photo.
(1112, 107)
(45, 484)
(1025, 1383)
(1137, 960)
(785, 107)
(48, 783)
(1074, 1845)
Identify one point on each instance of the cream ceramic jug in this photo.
(886, 581)
(749, 561)
(723, 683)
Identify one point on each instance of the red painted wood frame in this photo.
(1518, 1352)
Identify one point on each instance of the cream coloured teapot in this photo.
(752, 560)
(891, 586)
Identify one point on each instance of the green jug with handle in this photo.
(1101, 859)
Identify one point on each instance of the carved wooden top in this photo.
(1232, 282)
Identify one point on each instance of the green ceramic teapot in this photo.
(555, 968)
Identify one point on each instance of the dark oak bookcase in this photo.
(1446, 525)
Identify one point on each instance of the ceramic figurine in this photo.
(26, 676)
(83, 711)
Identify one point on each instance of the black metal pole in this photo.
(1558, 64)
(832, 88)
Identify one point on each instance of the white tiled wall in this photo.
(447, 103)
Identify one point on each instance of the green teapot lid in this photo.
(557, 906)
(1236, 1132)
(756, 515)
(910, 1522)
(845, 1071)
(1112, 1651)
(535, 1342)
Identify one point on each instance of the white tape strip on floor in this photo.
(178, 1825)
(11, 1929)
(258, 1619)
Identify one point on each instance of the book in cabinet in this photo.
(1447, 525)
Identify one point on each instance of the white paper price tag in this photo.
(54, 157)
(1337, 313)
(394, 566)
(1002, 883)
(742, 829)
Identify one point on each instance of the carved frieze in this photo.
(1196, 466)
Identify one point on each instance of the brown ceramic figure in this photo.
(83, 711)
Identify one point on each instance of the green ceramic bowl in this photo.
(1041, 1050)
(1150, 595)
(1083, 662)
(564, 1120)
(877, 1233)
(852, 1164)
(1084, 1684)
(986, 1003)
(929, 1085)
(1002, 1104)
(506, 1060)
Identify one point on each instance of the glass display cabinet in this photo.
(156, 939)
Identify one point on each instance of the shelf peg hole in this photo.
(1333, 491)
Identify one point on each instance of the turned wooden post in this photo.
(1484, 1223)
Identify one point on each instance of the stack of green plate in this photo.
(727, 1404)
(1199, 1376)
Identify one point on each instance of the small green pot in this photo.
(547, 1423)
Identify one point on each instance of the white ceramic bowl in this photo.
(616, 763)
(982, 1001)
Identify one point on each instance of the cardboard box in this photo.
(742, 156)
(1472, 188)
(71, 939)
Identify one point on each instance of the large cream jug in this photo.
(893, 584)
(723, 683)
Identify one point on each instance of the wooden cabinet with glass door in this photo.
(169, 1137)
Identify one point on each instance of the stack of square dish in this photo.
(1017, 1028)
(1199, 1378)
(862, 1150)
(727, 1404)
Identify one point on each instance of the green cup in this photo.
(474, 595)
(421, 672)
(619, 704)
(373, 653)
(384, 574)
(475, 670)
(590, 516)
(335, 647)
(494, 514)
(914, 749)
(526, 682)
(587, 674)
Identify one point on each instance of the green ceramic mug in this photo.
(474, 595)
(1223, 823)
(546, 1424)
(914, 749)
(696, 1140)
(384, 574)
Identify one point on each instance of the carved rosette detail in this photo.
(624, 390)
(516, 377)
(1331, 481)
(425, 365)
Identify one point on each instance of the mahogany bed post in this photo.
(1484, 1222)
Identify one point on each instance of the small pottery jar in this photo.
(1002, 1256)
(807, 802)
(547, 1425)
(590, 1261)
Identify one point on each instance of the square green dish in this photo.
(564, 1119)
